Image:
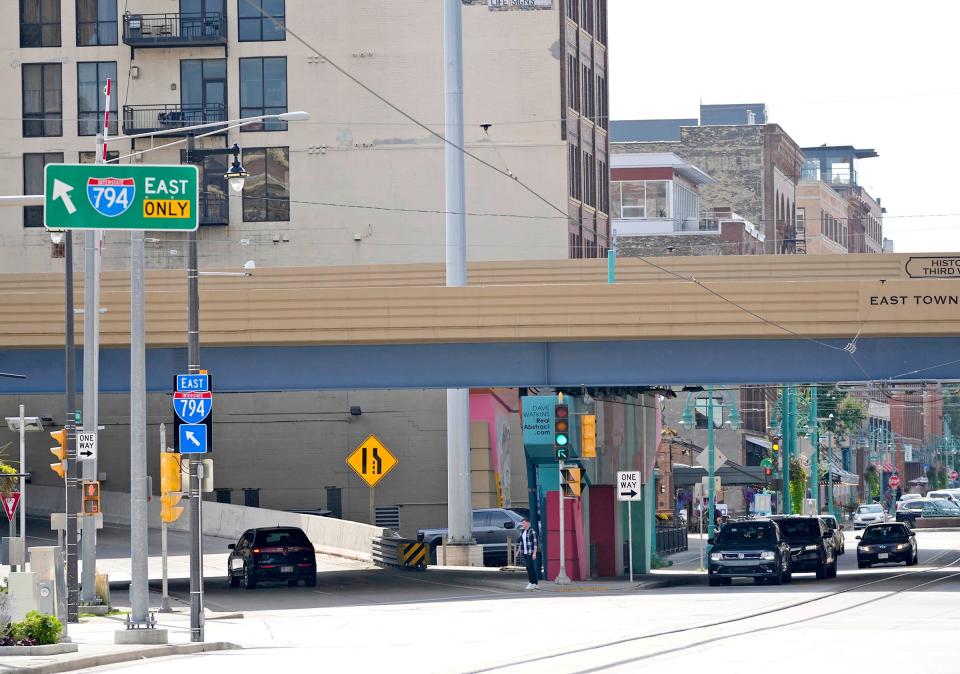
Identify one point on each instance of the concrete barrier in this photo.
(937, 523)
(330, 536)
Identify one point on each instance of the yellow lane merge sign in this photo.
(166, 208)
(372, 460)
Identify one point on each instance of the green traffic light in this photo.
(562, 439)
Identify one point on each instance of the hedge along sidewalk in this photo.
(107, 656)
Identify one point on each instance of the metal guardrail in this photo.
(171, 30)
(401, 553)
(671, 540)
(167, 116)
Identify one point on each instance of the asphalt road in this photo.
(883, 618)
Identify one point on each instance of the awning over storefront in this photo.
(885, 467)
(759, 442)
(840, 476)
(730, 474)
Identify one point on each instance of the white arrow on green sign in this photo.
(120, 196)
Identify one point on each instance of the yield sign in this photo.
(372, 460)
(10, 503)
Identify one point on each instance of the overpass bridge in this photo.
(750, 319)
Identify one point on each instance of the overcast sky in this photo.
(875, 74)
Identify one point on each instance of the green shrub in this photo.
(40, 627)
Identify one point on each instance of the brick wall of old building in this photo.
(756, 168)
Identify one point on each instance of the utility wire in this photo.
(516, 179)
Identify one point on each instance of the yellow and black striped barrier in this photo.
(414, 555)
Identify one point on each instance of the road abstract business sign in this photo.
(120, 197)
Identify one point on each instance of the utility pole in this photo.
(71, 497)
(711, 467)
(23, 485)
(193, 366)
(459, 501)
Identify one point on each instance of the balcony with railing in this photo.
(171, 117)
(213, 209)
(175, 30)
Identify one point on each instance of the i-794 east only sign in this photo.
(120, 197)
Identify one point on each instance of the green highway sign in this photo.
(120, 196)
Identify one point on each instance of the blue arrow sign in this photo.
(193, 439)
(192, 408)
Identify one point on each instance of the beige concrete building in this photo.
(359, 183)
(823, 212)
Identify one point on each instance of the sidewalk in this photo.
(94, 638)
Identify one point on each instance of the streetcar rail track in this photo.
(741, 618)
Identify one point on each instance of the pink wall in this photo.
(495, 407)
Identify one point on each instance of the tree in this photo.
(798, 485)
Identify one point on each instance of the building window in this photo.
(263, 91)
(573, 169)
(42, 100)
(203, 90)
(573, 83)
(96, 22)
(91, 80)
(640, 199)
(39, 23)
(33, 164)
(113, 157)
(266, 194)
(254, 26)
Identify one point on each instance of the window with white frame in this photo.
(640, 199)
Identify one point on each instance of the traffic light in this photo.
(60, 451)
(561, 431)
(775, 446)
(570, 481)
(170, 487)
(588, 436)
(768, 471)
(91, 498)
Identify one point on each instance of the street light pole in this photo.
(459, 501)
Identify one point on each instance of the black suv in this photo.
(749, 549)
(811, 545)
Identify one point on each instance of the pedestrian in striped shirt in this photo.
(529, 546)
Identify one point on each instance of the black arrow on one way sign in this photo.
(630, 493)
(86, 453)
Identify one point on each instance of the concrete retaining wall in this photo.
(328, 535)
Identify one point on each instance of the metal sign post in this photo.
(629, 490)
(192, 404)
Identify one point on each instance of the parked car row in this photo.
(925, 508)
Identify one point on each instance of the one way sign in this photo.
(628, 485)
(87, 446)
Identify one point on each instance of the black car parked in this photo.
(811, 545)
(750, 549)
(926, 508)
(274, 554)
(887, 544)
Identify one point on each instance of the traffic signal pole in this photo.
(71, 500)
(562, 577)
(91, 385)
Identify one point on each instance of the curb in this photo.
(88, 661)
